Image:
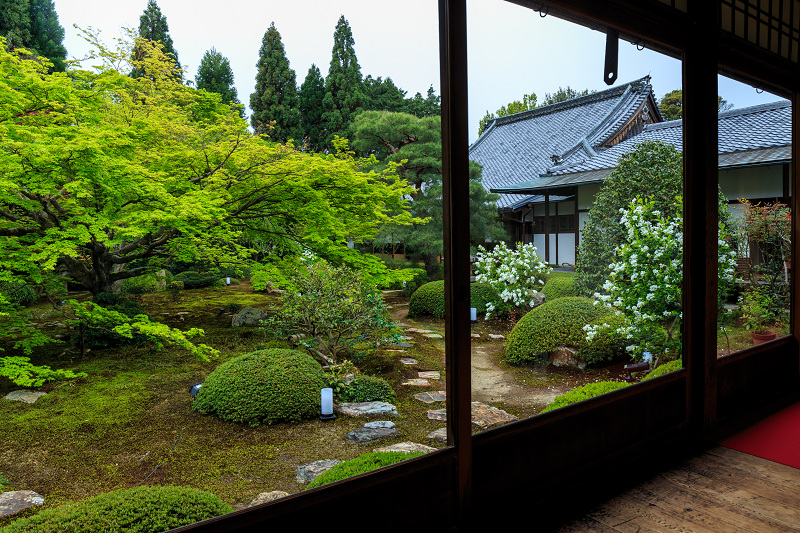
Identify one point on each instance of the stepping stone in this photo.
(266, 497)
(417, 382)
(408, 361)
(366, 435)
(402, 325)
(392, 293)
(438, 414)
(401, 351)
(430, 397)
(440, 435)
(483, 415)
(495, 336)
(308, 472)
(474, 335)
(27, 396)
(368, 408)
(18, 500)
(416, 330)
(380, 424)
(433, 336)
(406, 447)
(431, 374)
(182, 313)
(400, 344)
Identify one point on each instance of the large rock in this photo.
(566, 356)
(27, 396)
(406, 447)
(266, 497)
(368, 408)
(307, 473)
(18, 500)
(538, 299)
(365, 434)
(248, 316)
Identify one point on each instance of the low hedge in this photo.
(368, 389)
(266, 386)
(666, 368)
(559, 287)
(552, 324)
(584, 393)
(359, 465)
(428, 300)
(145, 509)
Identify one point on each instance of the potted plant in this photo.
(758, 313)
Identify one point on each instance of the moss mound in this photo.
(428, 300)
(584, 393)
(552, 324)
(666, 368)
(136, 510)
(267, 386)
(359, 465)
(368, 389)
(559, 287)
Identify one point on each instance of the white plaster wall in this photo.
(566, 248)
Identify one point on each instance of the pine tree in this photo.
(216, 76)
(153, 26)
(310, 99)
(274, 102)
(47, 35)
(383, 95)
(343, 92)
(15, 23)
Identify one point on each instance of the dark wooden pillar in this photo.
(701, 178)
(547, 227)
(455, 197)
(794, 174)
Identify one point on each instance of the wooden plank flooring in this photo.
(719, 491)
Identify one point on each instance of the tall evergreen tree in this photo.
(429, 106)
(343, 91)
(47, 35)
(274, 102)
(153, 26)
(310, 99)
(15, 23)
(216, 76)
(383, 95)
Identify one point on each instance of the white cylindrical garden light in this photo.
(473, 314)
(326, 404)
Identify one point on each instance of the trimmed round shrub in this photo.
(666, 368)
(138, 510)
(608, 344)
(359, 465)
(552, 324)
(194, 280)
(266, 386)
(584, 393)
(559, 287)
(368, 389)
(428, 300)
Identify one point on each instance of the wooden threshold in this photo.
(719, 490)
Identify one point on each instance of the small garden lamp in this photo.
(326, 404)
(194, 389)
(473, 315)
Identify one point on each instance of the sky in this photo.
(511, 50)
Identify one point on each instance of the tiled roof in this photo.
(756, 135)
(520, 147)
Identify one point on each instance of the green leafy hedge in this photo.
(195, 280)
(584, 393)
(359, 465)
(552, 324)
(138, 510)
(368, 389)
(608, 344)
(666, 368)
(267, 386)
(99, 334)
(559, 287)
(18, 293)
(428, 300)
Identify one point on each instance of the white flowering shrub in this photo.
(516, 275)
(645, 281)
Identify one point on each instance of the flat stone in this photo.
(27, 396)
(495, 336)
(416, 330)
(266, 497)
(406, 447)
(182, 313)
(475, 335)
(430, 374)
(400, 344)
(430, 397)
(380, 424)
(366, 435)
(432, 336)
(401, 351)
(408, 361)
(440, 435)
(417, 382)
(308, 472)
(18, 500)
(437, 414)
(368, 408)
(402, 324)
(487, 416)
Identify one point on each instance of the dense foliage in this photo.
(528, 102)
(367, 389)
(33, 25)
(216, 76)
(359, 465)
(584, 392)
(608, 342)
(552, 324)
(153, 27)
(666, 368)
(309, 102)
(428, 300)
(558, 287)
(146, 509)
(263, 387)
(344, 96)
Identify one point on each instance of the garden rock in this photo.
(408, 361)
(430, 397)
(406, 447)
(440, 435)
(430, 374)
(368, 408)
(484, 416)
(380, 424)
(18, 500)
(248, 316)
(417, 382)
(432, 336)
(365, 435)
(27, 396)
(161, 279)
(308, 472)
(565, 356)
(495, 336)
(266, 497)
(538, 298)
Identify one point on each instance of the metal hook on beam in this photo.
(612, 56)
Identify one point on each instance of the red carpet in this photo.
(776, 438)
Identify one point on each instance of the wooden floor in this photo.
(721, 490)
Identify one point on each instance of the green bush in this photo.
(139, 284)
(584, 393)
(666, 368)
(194, 280)
(138, 510)
(359, 465)
(608, 344)
(428, 300)
(368, 389)
(18, 293)
(552, 324)
(98, 334)
(266, 386)
(559, 287)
